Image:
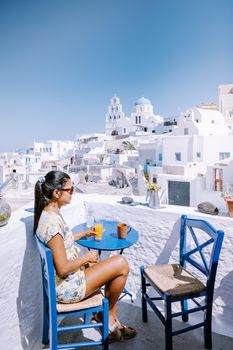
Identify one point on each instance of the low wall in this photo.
(21, 289)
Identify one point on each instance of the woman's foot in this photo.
(114, 334)
(97, 316)
(126, 332)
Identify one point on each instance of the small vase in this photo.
(229, 201)
(153, 199)
(5, 212)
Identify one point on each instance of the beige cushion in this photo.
(174, 279)
(94, 300)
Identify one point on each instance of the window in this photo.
(124, 130)
(154, 180)
(224, 155)
(136, 119)
(139, 120)
(178, 156)
(160, 156)
(197, 120)
(186, 131)
(198, 154)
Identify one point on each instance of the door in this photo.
(179, 193)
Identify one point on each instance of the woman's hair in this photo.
(44, 188)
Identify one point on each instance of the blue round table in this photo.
(109, 240)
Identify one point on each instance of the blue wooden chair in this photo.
(193, 277)
(53, 310)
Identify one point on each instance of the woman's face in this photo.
(65, 194)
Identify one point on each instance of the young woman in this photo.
(77, 276)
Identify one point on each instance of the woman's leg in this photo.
(111, 272)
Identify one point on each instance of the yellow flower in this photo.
(150, 186)
(154, 187)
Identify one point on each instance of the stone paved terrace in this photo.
(151, 335)
(21, 291)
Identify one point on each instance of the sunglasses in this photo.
(69, 190)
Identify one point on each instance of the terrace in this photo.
(21, 290)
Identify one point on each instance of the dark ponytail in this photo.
(44, 188)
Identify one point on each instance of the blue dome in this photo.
(142, 101)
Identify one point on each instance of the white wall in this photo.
(176, 144)
(215, 144)
(21, 289)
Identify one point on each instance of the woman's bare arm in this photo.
(64, 266)
(83, 234)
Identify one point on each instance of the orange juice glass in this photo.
(99, 232)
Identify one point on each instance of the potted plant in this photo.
(228, 197)
(152, 195)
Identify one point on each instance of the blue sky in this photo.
(61, 61)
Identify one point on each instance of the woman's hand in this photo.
(90, 232)
(92, 256)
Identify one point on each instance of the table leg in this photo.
(124, 293)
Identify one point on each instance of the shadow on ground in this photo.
(150, 335)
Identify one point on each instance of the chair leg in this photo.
(168, 323)
(86, 317)
(208, 327)
(45, 335)
(105, 325)
(53, 330)
(143, 300)
(184, 307)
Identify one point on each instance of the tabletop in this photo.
(109, 240)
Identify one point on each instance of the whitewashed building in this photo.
(142, 120)
(226, 103)
(189, 164)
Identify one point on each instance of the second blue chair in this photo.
(191, 280)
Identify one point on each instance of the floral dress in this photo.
(71, 288)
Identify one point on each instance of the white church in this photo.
(141, 121)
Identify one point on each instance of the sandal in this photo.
(127, 332)
(115, 335)
(97, 317)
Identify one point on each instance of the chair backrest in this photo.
(47, 269)
(200, 246)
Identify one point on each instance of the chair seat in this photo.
(93, 300)
(175, 279)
